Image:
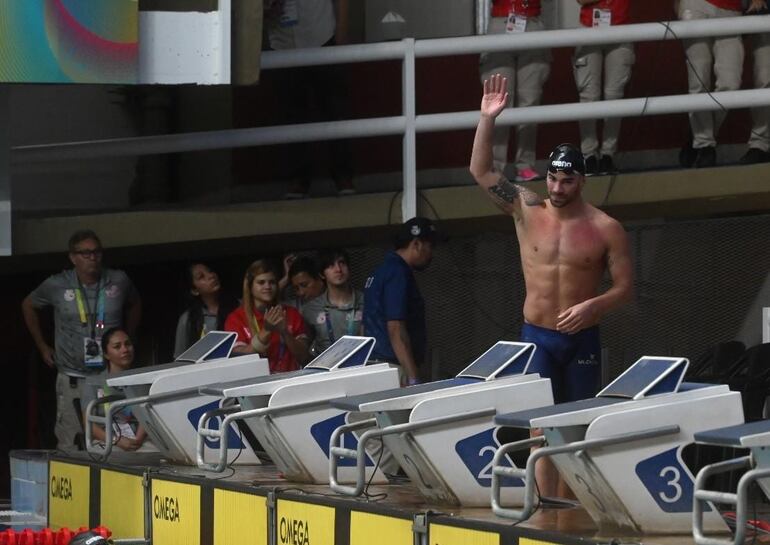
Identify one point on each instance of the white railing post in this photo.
(225, 39)
(482, 16)
(409, 193)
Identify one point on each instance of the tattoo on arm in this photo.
(504, 193)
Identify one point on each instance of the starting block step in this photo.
(441, 433)
(752, 434)
(291, 415)
(621, 452)
(166, 401)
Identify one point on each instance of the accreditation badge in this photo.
(92, 353)
(515, 23)
(602, 18)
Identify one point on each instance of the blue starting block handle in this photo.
(702, 496)
(359, 455)
(233, 414)
(528, 474)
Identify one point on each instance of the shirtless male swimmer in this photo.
(566, 245)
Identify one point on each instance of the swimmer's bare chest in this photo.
(563, 262)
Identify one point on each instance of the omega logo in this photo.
(295, 532)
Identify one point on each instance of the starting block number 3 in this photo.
(673, 483)
(668, 481)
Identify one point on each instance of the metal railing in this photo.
(409, 123)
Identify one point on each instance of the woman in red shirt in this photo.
(265, 326)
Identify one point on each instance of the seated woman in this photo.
(265, 326)
(207, 309)
(118, 353)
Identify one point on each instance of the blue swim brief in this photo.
(572, 362)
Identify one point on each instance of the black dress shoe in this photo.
(687, 155)
(754, 155)
(707, 157)
(606, 165)
(592, 166)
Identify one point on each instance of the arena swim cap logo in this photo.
(294, 532)
(165, 508)
(558, 163)
(61, 487)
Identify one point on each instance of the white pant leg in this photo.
(618, 61)
(67, 424)
(760, 130)
(587, 67)
(699, 66)
(532, 71)
(702, 54)
(728, 69)
(699, 81)
(504, 64)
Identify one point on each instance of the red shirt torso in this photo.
(732, 5)
(529, 8)
(618, 8)
(278, 355)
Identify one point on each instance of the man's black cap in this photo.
(566, 158)
(417, 227)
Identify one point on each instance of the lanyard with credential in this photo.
(350, 320)
(86, 314)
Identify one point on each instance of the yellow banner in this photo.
(176, 513)
(122, 504)
(449, 535)
(371, 529)
(239, 518)
(527, 541)
(304, 524)
(69, 495)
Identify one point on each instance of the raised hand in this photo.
(495, 96)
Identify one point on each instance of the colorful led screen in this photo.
(69, 41)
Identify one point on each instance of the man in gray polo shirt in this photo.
(339, 310)
(87, 300)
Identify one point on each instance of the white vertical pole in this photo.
(225, 41)
(766, 324)
(409, 194)
(5, 171)
(482, 16)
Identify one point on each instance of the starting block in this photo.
(441, 433)
(166, 402)
(620, 452)
(290, 414)
(754, 436)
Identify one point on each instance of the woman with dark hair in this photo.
(118, 351)
(264, 325)
(207, 310)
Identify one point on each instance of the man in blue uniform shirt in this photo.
(394, 312)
